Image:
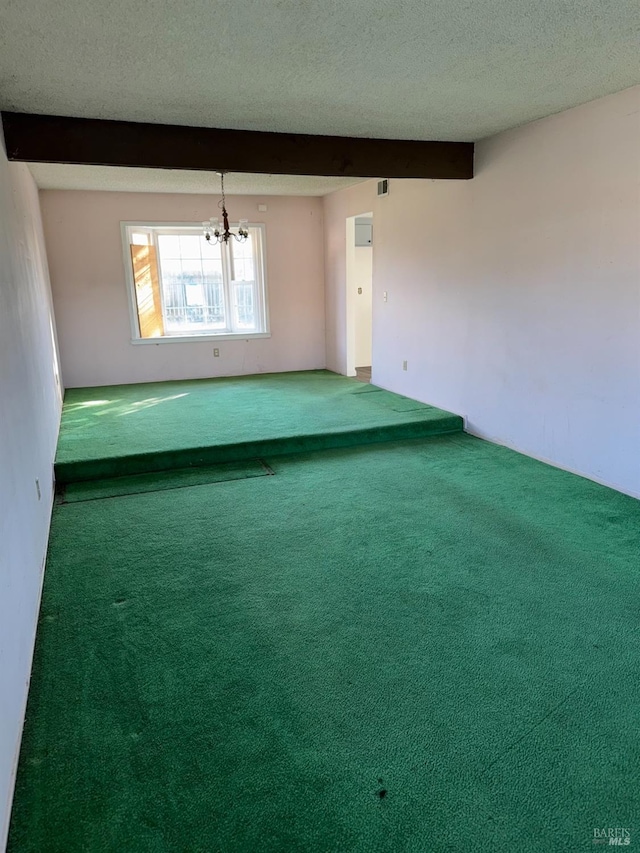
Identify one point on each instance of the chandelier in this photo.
(214, 233)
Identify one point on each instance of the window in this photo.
(181, 286)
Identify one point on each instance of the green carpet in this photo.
(177, 479)
(134, 429)
(419, 646)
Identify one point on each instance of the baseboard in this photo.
(552, 463)
(4, 827)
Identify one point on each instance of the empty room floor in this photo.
(121, 428)
(411, 645)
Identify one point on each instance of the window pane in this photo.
(190, 245)
(169, 245)
(173, 287)
(205, 288)
(243, 268)
(170, 267)
(138, 239)
(214, 293)
(212, 268)
(211, 250)
(246, 272)
(246, 314)
(192, 287)
(245, 306)
(244, 250)
(195, 295)
(192, 271)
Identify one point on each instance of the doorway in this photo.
(359, 294)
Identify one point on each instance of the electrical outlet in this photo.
(384, 296)
(262, 208)
(216, 353)
(404, 365)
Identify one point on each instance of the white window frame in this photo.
(157, 227)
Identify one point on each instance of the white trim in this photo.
(4, 828)
(607, 483)
(349, 295)
(262, 261)
(194, 339)
(130, 284)
(154, 242)
(261, 285)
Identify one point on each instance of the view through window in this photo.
(183, 286)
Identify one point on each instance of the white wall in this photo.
(338, 207)
(29, 418)
(358, 310)
(515, 297)
(363, 281)
(89, 290)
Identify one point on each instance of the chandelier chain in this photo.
(212, 231)
(222, 203)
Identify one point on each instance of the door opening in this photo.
(359, 287)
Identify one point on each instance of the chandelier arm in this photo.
(223, 235)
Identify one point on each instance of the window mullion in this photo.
(228, 287)
(154, 242)
(256, 246)
(243, 312)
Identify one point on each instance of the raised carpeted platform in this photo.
(428, 645)
(135, 429)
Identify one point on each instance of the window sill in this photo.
(201, 339)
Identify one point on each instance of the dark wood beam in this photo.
(61, 139)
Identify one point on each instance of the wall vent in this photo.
(383, 186)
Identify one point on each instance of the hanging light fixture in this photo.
(214, 233)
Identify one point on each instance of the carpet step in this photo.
(160, 481)
(186, 457)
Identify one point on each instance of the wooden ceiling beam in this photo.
(62, 139)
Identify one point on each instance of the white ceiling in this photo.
(415, 69)
(53, 176)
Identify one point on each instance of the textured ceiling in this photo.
(414, 69)
(52, 176)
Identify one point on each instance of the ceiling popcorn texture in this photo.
(411, 69)
(54, 176)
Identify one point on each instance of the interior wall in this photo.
(363, 284)
(30, 400)
(89, 288)
(338, 207)
(358, 295)
(515, 297)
